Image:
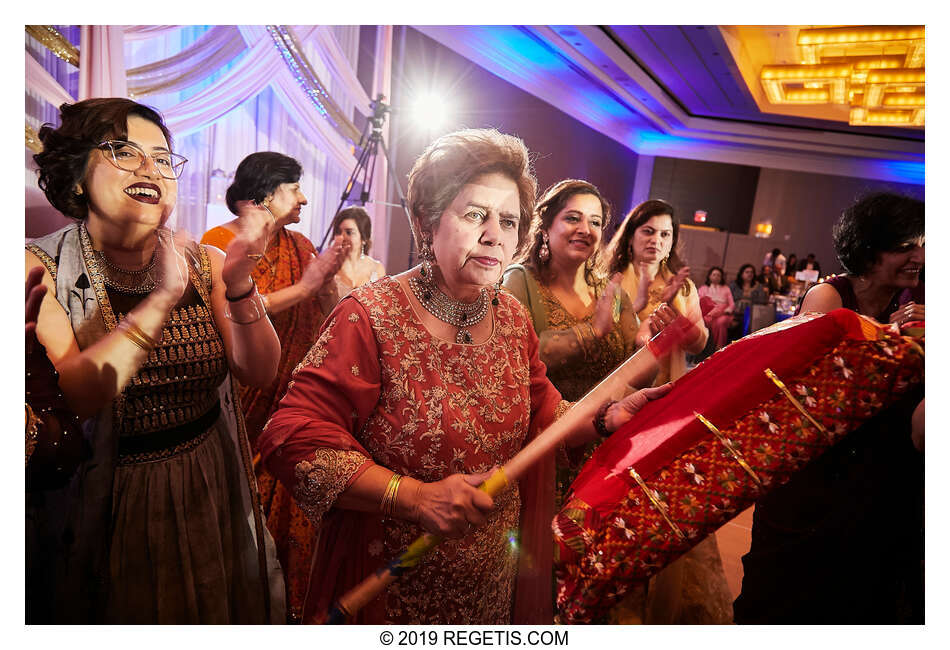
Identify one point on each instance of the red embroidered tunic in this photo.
(378, 386)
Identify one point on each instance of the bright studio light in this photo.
(430, 111)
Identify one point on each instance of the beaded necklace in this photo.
(130, 281)
(448, 310)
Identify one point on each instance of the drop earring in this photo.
(426, 256)
(544, 253)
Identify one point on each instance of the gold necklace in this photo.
(132, 281)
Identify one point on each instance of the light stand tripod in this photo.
(366, 167)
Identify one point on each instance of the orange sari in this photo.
(283, 263)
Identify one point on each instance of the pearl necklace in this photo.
(448, 310)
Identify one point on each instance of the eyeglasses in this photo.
(130, 157)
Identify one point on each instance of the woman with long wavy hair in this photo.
(644, 250)
(693, 589)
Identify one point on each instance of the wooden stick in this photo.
(637, 371)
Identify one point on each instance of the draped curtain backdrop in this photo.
(225, 92)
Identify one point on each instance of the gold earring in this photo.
(426, 255)
(544, 253)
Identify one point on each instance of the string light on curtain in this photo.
(33, 140)
(55, 42)
(290, 52)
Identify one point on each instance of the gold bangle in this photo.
(392, 500)
(583, 339)
(386, 503)
(137, 335)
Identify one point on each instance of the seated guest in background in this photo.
(719, 317)
(693, 589)
(792, 265)
(289, 278)
(880, 243)
(779, 277)
(160, 523)
(353, 223)
(746, 291)
(643, 249)
(764, 278)
(820, 552)
(809, 264)
(418, 386)
(773, 258)
(772, 281)
(586, 325)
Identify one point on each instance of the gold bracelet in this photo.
(136, 334)
(384, 504)
(392, 500)
(585, 340)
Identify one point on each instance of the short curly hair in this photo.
(876, 223)
(551, 203)
(454, 160)
(258, 175)
(83, 126)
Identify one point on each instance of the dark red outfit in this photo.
(377, 386)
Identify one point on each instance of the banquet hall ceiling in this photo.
(714, 71)
(690, 91)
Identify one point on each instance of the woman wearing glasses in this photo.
(161, 524)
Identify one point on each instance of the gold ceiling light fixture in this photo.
(876, 70)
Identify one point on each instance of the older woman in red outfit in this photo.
(417, 387)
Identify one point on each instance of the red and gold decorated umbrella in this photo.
(738, 425)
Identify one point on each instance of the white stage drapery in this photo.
(224, 98)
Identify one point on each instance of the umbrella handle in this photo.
(362, 594)
(635, 371)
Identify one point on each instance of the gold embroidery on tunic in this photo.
(590, 360)
(315, 356)
(461, 408)
(321, 480)
(178, 381)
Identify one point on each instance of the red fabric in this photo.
(842, 368)
(378, 383)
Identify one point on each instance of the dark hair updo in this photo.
(258, 175)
